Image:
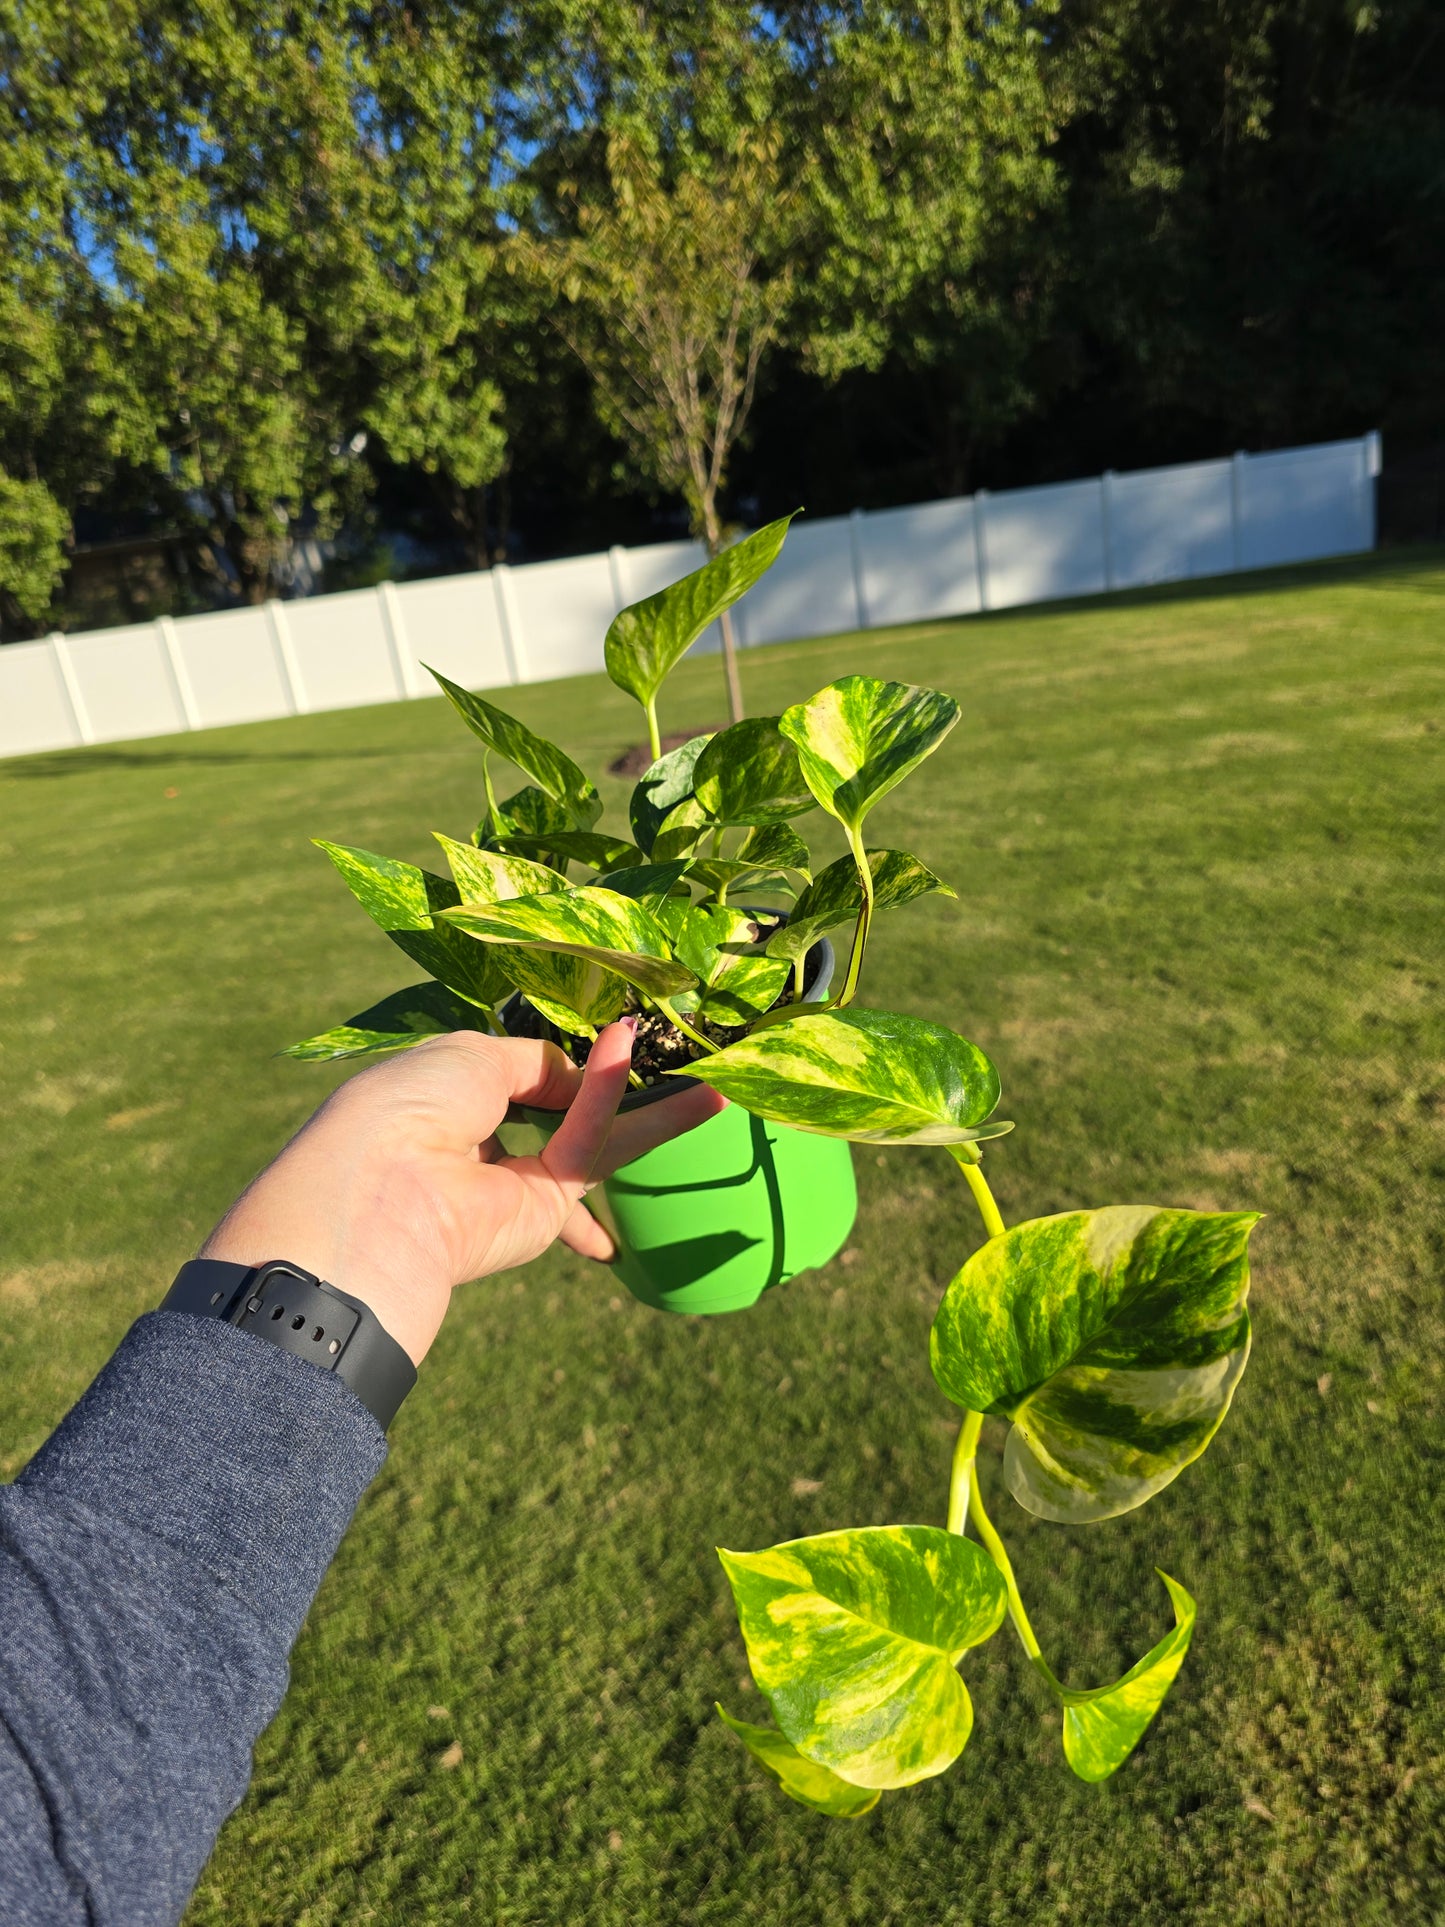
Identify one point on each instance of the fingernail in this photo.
(628, 1023)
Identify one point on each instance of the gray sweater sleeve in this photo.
(157, 1558)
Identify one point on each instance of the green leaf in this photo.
(855, 1637)
(681, 828)
(857, 738)
(402, 1019)
(767, 859)
(400, 899)
(577, 846)
(648, 883)
(1102, 1728)
(595, 924)
(725, 947)
(529, 813)
(661, 788)
(750, 774)
(835, 897)
(1113, 1339)
(862, 1074)
(491, 876)
(774, 846)
(574, 993)
(801, 1779)
(553, 772)
(649, 638)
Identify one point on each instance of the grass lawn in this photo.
(1196, 837)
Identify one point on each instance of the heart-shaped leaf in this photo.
(401, 899)
(680, 831)
(725, 947)
(553, 772)
(1113, 1339)
(855, 1637)
(857, 738)
(594, 924)
(661, 788)
(647, 883)
(750, 774)
(801, 1779)
(402, 1019)
(650, 637)
(835, 897)
(1102, 1728)
(491, 876)
(577, 846)
(862, 1074)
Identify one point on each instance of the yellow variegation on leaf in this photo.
(1102, 1728)
(801, 1779)
(593, 924)
(859, 737)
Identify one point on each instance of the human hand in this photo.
(397, 1190)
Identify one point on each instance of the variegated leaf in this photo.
(661, 788)
(529, 813)
(401, 899)
(649, 638)
(595, 924)
(750, 774)
(835, 897)
(573, 992)
(855, 1637)
(553, 772)
(591, 847)
(859, 737)
(725, 948)
(1102, 1728)
(681, 829)
(767, 859)
(862, 1074)
(1113, 1339)
(646, 883)
(398, 1021)
(491, 876)
(801, 1779)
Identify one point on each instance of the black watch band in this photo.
(301, 1314)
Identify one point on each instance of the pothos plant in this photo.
(1112, 1339)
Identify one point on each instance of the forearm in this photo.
(157, 1558)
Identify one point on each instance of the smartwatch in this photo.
(300, 1313)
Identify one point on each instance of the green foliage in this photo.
(1102, 1728)
(862, 1074)
(402, 1019)
(855, 1638)
(33, 528)
(800, 1778)
(1113, 1339)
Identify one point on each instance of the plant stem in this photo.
(969, 1160)
(687, 1030)
(654, 740)
(863, 925)
(798, 963)
(960, 1483)
(994, 1546)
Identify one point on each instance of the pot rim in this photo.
(821, 963)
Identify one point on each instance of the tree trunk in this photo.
(712, 534)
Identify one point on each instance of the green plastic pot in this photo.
(712, 1220)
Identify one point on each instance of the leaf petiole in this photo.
(994, 1546)
(961, 1480)
(654, 739)
(862, 926)
(969, 1160)
(687, 1030)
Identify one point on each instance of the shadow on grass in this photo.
(80, 762)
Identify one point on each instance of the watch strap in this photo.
(291, 1308)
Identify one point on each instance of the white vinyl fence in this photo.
(547, 619)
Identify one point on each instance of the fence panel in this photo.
(563, 610)
(1304, 503)
(1042, 543)
(341, 650)
(809, 591)
(126, 683)
(452, 624)
(234, 667)
(919, 562)
(35, 711)
(1166, 524)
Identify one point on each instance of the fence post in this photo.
(1236, 508)
(285, 649)
(1373, 453)
(393, 623)
(855, 550)
(980, 545)
(617, 569)
(1106, 516)
(180, 675)
(70, 683)
(509, 617)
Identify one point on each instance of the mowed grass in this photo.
(1196, 839)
